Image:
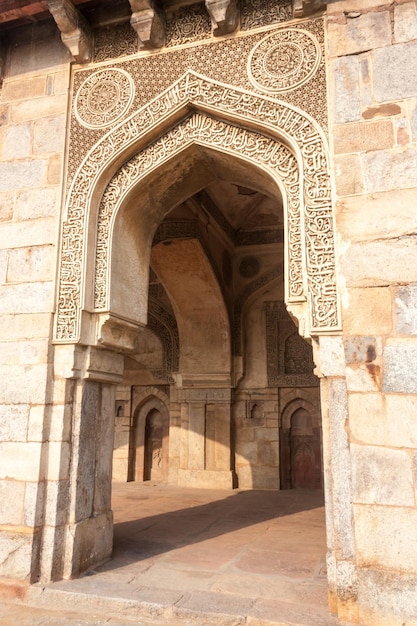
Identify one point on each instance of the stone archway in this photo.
(278, 140)
(268, 133)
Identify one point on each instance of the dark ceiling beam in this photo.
(75, 31)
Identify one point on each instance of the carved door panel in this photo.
(302, 465)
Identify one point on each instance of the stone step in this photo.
(156, 608)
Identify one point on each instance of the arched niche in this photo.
(139, 465)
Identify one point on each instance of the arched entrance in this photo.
(254, 142)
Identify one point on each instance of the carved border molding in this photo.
(276, 123)
(165, 327)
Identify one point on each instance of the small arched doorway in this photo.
(302, 454)
(301, 466)
(149, 442)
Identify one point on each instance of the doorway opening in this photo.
(221, 350)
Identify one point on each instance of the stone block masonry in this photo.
(33, 111)
(372, 49)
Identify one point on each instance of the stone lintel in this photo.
(303, 8)
(104, 366)
(75, 31)
(205, 396)
(224, 16)
(194, 380)
(148, 20)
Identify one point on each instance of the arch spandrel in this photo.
(274, 120)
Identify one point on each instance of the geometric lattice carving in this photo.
(284, 60)
(310, 224)
(298, 355)
(261, 12)
(164, 325)
(175, 229)
(224, 60)
(289, 357)
(115, 41)
(188, 24)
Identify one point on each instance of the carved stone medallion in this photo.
(284, 60)
(104, 97)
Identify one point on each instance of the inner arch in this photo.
(193, 161)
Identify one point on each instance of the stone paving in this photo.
(200, 557)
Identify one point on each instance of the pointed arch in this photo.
(273, 135)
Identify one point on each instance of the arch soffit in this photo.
(280, 126)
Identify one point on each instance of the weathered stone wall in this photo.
(33, 102)
(373, 112)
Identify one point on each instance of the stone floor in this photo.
(200, 557)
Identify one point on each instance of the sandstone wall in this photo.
(33, 103)
(373, 112)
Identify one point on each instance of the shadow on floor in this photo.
(150, 533)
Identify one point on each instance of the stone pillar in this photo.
(341, 557)
(78, 529)
(205, 459)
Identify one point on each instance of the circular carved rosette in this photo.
(104, 98)
(284, 61)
